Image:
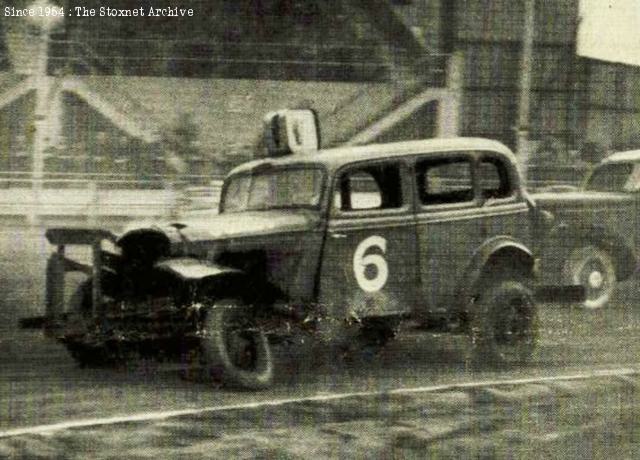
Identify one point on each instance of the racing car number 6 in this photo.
(361, 261)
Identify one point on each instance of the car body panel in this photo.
(449, 236)
(450, 240)
(189, 268)
(606, 219)
(369, 266)
(493, 247)
(399, 260)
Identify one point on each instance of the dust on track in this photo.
(591, 415)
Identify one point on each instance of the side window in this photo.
(493, 178)
(444, 181)
(369, 187)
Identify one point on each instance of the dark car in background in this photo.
(596, 233)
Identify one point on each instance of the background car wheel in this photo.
(235, 344)
(592, 268)
(504, 325)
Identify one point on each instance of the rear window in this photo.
(444, 181)
(493, 178)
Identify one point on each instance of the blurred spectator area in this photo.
(123, 83)
(114, 125)
(120, 85)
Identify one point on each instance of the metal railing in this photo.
(102, 180)
(90, 197)
(320, 61)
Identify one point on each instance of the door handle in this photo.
(337, 235)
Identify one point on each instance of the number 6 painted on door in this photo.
(362, 261)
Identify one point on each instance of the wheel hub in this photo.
(595, 279)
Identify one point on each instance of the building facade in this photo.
(122, 85)
(574, 101)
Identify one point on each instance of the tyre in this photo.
(504, 324)
(233, 342)
(77, 325)
(377, 332)
(592, 268)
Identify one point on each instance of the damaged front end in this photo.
(136, 297)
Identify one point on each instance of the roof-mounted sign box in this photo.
(291, 131)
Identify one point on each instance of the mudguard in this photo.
(79, 236)
(190, 269)
(564, 237)
(500, 246)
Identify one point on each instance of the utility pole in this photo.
(524, 101)
(43, 84)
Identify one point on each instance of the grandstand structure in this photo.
(128, 95)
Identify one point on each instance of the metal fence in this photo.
(298, 61)
(93, 197)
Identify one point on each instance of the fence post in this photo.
(449, 105)
(54, 306)
(454, 72)
(175, 197)
(524, 99)
(33, 207)
(94, 202)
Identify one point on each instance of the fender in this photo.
(190, 269)
(515, 250)
(555, 245)
(203, 273)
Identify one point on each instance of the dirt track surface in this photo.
(41, 385)
(574, 418)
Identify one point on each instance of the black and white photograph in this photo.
(298, 229)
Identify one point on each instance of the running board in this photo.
(560, 294)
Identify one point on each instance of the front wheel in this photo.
(78, 335)
(504, 326)
(234, 342)
(592, 268)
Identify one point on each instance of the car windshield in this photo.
(274, 189)
(615, 177)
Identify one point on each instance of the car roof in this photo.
(623, 157)
(335, 158)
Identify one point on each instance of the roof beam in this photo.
(447, 115)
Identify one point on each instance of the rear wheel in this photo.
(237, 346)
(504, 325)
(592, 268)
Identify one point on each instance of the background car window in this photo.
(610, 177)
(493, 178)
(444, 181)
(373, 187)
(633, 182)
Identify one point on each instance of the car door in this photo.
(447, 226)
(369, 257)
(503, 210)
(463, 200)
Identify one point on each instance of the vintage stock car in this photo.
(441, 232)
(595, 235)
